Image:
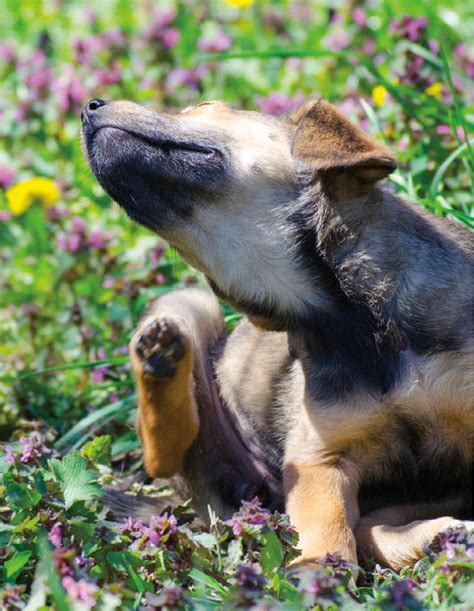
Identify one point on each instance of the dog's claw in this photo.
(160, 346)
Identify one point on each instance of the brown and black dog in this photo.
(347, 396)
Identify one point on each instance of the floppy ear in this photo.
(326, 140)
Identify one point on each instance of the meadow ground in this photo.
(75, 275)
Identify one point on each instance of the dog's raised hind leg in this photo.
(165, 349)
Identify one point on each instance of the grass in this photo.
(75, 276)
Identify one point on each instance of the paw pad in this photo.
(160, 346)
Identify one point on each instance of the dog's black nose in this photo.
(91, 107)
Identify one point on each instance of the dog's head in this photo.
(223, 187)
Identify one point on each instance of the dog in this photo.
(349, 389)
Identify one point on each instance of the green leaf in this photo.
(121, 561)
(28, 524)
(82, 531)
(200, 577)
(14, 566)
(19, 496)
(77, 483)
(98, 451)
(271, 554)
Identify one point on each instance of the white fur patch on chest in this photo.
(251, 256)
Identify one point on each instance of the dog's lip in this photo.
(162, 142)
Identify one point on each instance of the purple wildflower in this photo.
(122, 349)
(55, 535)
(108, 76)
(400, 593)
(98, 239)
(86, 49)
(148, 538)
(78, 225)
(69, 242)
(293, 63)
(108, 282)
(359, 17)
(337, 40)
(90, 15)
(278, 103)
(251, 513)
(40, 79)
(183, 77)
(32, 448)
(169, 597)
(161, 525)
(320, 584)
(368, 46)
(160, 31)
(7, 53)
(161, 20)
(156, 255)
(460, 134)
(114, 38)
(80, 591)
(5, 215)
(249, 585)
(409, 27)
(7, 175)
(455, 543)
(130, 527)
(433, 46)
(10, 454)
(443, 130)
(249, 575)
(170, 37)
(217, 43)
(10, 597)
(99, 373)
(55, 213)
(83, 562)
(69, 90)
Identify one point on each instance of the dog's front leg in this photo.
(321, 498)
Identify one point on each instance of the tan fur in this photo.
(168, 420)
(368, 247)
(325, 139)
(321, 501)
(167, 416)
(320, 485)
(398, 536)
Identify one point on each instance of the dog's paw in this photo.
(159, 345)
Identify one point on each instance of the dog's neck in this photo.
(349, 339)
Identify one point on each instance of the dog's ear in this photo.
(326, 140)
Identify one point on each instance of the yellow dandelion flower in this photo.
(239, 3)
(435, 90)
(379, 95)
(25, 193)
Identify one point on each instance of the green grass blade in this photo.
(443, 168)
(123, 360)
(105, 414)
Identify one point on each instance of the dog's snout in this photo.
(91, 107)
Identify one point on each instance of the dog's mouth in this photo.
(166, 145)
(155, 170)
